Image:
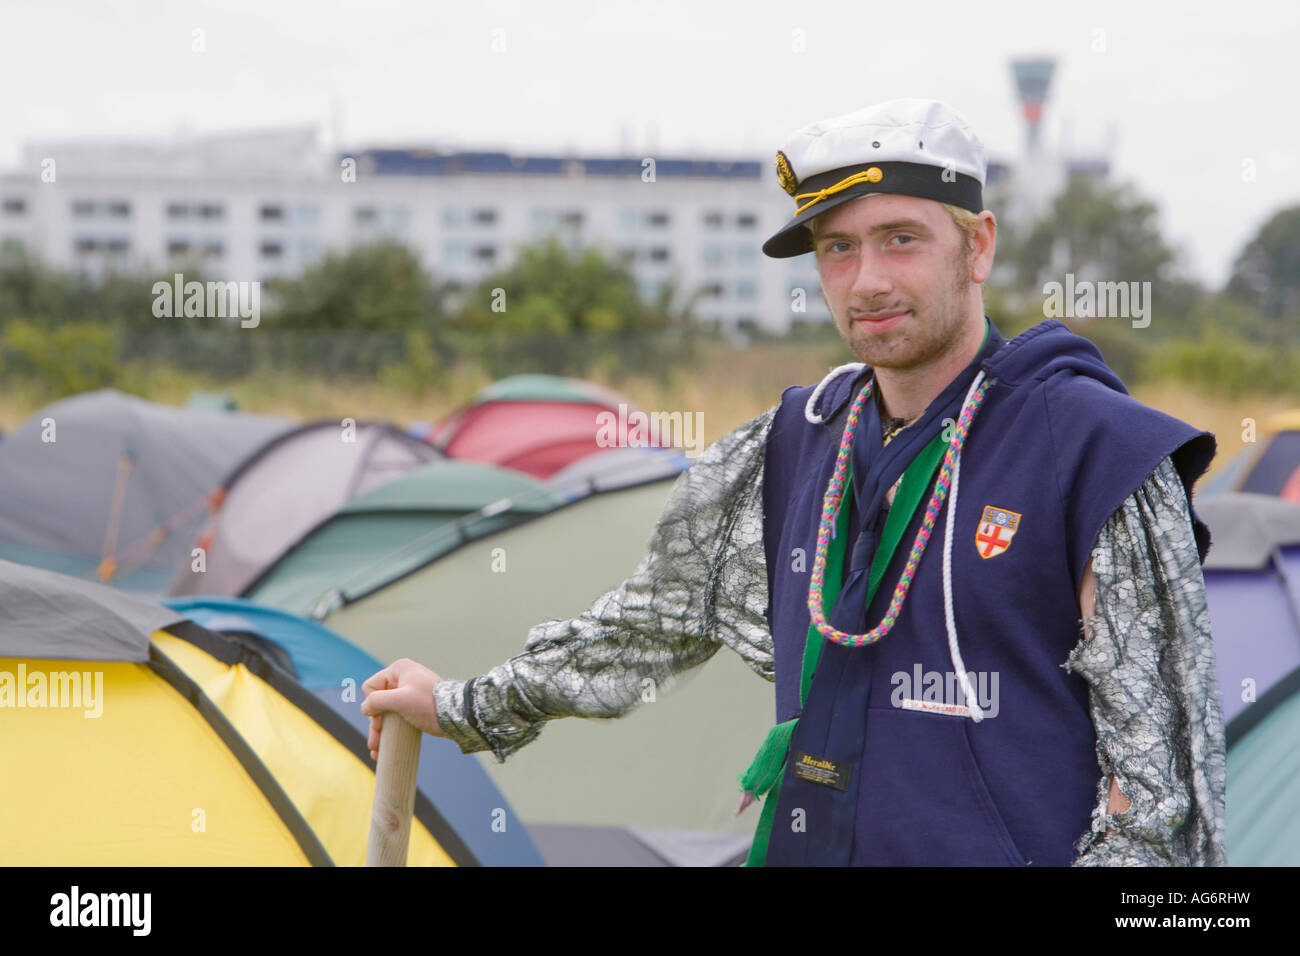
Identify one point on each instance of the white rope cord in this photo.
(808, 412)
(949, 617)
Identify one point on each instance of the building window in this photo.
(485, 253)
(543, 219)
(305, 214)
(454, 251)
(657, 219)
(272, 250)
(627, 256)
(211, 211)
(485, 217)
(712, 289)
(364, 215)
(116, 245)
(177, 247)
(629, 219)
(270, 213)
(659, 254)
(745, 252)
(712, 254)
(177, 210)
(746, 289)
(713, 219)
(453, 217)
(83, 208)
(15, 207)
(572, 219)
(118, 210)
(213, 248)
(746, 220)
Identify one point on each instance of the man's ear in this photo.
(985, 243)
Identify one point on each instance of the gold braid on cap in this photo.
(870, 175)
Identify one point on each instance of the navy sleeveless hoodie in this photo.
(1054, 451)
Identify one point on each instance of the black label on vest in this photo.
(823, 771)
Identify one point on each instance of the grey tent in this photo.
(111, 486)
(286, 488)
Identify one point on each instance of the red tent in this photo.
(536, 424)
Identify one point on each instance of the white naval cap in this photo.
(910, 147)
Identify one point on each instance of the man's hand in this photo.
(407, 688)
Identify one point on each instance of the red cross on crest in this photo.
(996, 529)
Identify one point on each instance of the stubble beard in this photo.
(922, 338)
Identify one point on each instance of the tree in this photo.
(557, 309)
(1107, 233)
(1266, 274)
(373, 288)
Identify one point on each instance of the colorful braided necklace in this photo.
(830, 508)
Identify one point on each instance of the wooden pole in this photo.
(395, 771)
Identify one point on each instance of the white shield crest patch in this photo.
(996, 529)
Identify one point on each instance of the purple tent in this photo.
(1252, 583)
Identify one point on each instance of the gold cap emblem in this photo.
(874, 175)
(784, 174)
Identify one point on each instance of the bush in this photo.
(71, 358)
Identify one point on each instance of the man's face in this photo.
(896, 277)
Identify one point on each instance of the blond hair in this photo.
(967, 224)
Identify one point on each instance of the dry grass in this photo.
(1221, 416)
(731, 386)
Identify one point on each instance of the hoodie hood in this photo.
(1047, 349)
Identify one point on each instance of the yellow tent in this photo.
(130, 737)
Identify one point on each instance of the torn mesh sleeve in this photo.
(702, 584)
(1148, 658)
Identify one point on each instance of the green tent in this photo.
(391, 530)
(1264, 779)
(666, 773)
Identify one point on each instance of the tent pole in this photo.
(395, 772)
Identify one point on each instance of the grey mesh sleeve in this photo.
(1153, 688)
(701, 585)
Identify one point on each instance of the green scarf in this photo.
(766, 770)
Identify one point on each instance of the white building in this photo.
(253, 206)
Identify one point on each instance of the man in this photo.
(970, 565)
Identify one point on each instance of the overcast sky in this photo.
(1190, 90)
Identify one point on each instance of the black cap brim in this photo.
(795, 237)
(899, 179)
